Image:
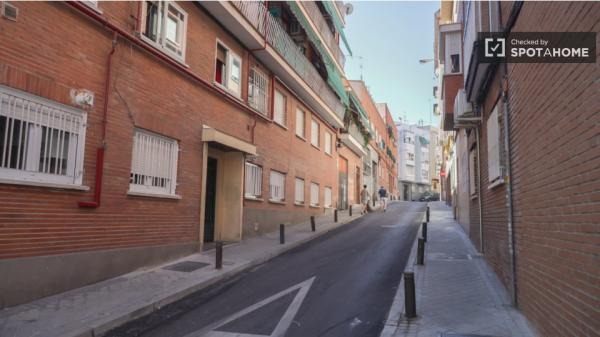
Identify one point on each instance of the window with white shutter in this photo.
(314, 132)
(40, 140)
(328, 149)
(299, 192)
(153, 164)
(280, 109)
(493, 147)
(277, 186)
(327, 195)
(300, 123)
(253, 187)
(314, 194)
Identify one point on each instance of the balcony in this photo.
(354, 140)
(316, 16)
(252, 24)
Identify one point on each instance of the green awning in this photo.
(363, 115)
(334, 78)
(423, 140)
(337, 22)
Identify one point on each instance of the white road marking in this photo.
(281, 328)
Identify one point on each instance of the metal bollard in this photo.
(219, 255)
(313, 227)
(427, 214)
(350, 210)
(424, 231)
(335, 215)
(410, 304)
(420, 251)
(281, 233)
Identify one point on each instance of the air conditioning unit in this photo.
(464, 114)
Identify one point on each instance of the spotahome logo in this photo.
(537, 47)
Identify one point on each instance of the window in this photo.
(314, 194)
(314, 132)
(493, 147)
(165, 27)
(327, 194)
(253, 187)
(328, 149)
(277, 186)
(300, 123)
(40, 140)
(455, 67)
(299, 192)
(258, 85)
(410, 156)
(280, 109)
(153, 164)
(472, 172)
(228, 69)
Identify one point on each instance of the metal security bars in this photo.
(314, 194)
(327, 196)
(40, 140)
(299, 191)
(153, 164)
(258, 85)
(253, 181)
(319, 21)
(277, 186)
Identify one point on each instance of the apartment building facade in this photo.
(532, 167)
(143, 131)
(418, 159)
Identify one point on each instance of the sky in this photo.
(389, 39)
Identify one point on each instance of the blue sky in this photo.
(391, 37)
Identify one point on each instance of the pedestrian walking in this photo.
(383, 197)
(364, 199)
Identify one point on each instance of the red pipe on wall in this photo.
(100, 150)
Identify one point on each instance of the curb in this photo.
(396, 313)
(99, 329)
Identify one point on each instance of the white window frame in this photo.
(299, 187)
(328, 143)
(328, 197)
(40, 114)
(300, 123)
(253, 181)
(493, 148)
(175, 49)
(153, 156)
(233, 84)
(277, 186)
(314, 194)
(258, 90)
(314, 133)
(280, 111)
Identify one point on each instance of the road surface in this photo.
(341, 284)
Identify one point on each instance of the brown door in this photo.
(343, 183)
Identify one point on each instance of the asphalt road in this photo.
(341, 284)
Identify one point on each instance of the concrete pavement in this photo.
(457, 293)
(97, 308)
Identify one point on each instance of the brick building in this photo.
(139, 131)
(531, 137)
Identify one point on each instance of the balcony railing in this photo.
(271, 30)
(317, 18)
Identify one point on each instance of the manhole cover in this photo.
(186, 266)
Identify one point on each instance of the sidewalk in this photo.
(97, 308)
(457, 293)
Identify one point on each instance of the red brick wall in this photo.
(145, 93)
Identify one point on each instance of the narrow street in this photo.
(341, 284)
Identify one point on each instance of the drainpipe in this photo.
(102, 148)
(478, 139)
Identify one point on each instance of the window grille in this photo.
(258, 85)
(277, 186)
(314, 194)
(153, 164)
(253, 181)
(299, 192)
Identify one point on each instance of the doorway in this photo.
(357, 186)
(405, 192)
(210, 200)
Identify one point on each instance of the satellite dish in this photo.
(348, 8)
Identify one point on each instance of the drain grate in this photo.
(186, 266)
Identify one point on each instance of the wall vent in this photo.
(9, 11)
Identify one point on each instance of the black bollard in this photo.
(410, 304)
(424, 231)
(350, 210)
(281, 233)
(420, 251)
(313, 227)
(335, 215)
(219, 255)
(427, 214)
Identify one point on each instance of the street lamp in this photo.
(423, 61)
